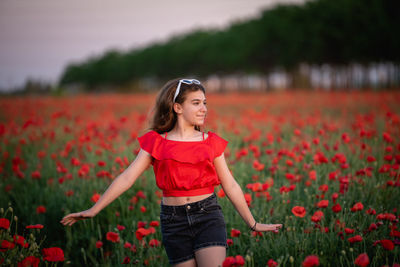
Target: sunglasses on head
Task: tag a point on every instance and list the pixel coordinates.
(185, 81)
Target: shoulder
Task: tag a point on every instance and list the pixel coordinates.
(217, 143)
(150, 136)
(150, 133)
(214, 137)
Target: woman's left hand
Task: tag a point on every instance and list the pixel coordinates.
(260, 227)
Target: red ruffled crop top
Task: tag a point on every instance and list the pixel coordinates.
(184, 168)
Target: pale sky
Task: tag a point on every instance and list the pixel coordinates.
(38, 38)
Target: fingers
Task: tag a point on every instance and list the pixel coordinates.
(67, 221)
(272, 227)
(72, 218)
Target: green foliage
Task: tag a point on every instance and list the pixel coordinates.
(21, 243)
(323, 31)
(299, 238)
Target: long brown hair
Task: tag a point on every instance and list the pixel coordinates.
(164, 117)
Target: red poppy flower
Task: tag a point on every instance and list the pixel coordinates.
(284, 189)
(299, 211)
(310, 261)
(334, 197)
(143, 209)
(35, 175)
(229, 262)
(362, 260)
(371, 211)
(258, 166)
(53, 254)
(29, 261)
(317, 216)
(297, 131)
(229, 242)
(35, 226)
(256, 187)
(154, 243)
(312, 175)
(238, 260)
(40, 209)
(387, 137)
(394, 233)
(248, 198)
(140, 194)
(4, 223)
(101, 163)
(69, 193)
(372, 227)
(141, 224)
(133, 248)
(127, 245)
(235, 233)
(142, 232)
(323, 203)
(349, 231)
(323, 188)
(154, 223)
(113, 237)
(6, 245)
(120, 227)
(386, 216)
(272, 263)
(126, 260)
(95, 197)
(221, 193)
(357, 207)
(355, 239)
(20, 240)
(290, 176)
(387, 244)
(99, 244)
(336, 208)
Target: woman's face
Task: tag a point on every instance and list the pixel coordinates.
(193, 109)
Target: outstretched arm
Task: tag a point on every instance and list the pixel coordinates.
(122, 183)
(235, 195)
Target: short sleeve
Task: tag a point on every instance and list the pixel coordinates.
(149, 141)
(218, 144)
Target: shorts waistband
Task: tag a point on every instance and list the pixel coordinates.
(189, 207)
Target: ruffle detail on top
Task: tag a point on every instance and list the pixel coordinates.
(182, 151)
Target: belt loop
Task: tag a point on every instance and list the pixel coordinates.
(174, 210)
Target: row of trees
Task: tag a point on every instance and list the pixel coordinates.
(336, 32)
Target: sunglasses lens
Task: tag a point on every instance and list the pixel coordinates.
(190, 81)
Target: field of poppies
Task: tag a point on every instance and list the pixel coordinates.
(324, 164)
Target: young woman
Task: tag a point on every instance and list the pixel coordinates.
(187, 164)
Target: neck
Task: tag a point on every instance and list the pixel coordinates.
(184, 132)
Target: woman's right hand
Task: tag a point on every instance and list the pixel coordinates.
(72, 218)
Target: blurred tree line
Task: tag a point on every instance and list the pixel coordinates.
(336, 32)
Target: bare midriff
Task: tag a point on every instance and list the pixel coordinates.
(177, 201)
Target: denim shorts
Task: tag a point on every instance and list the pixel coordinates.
(190, 227)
